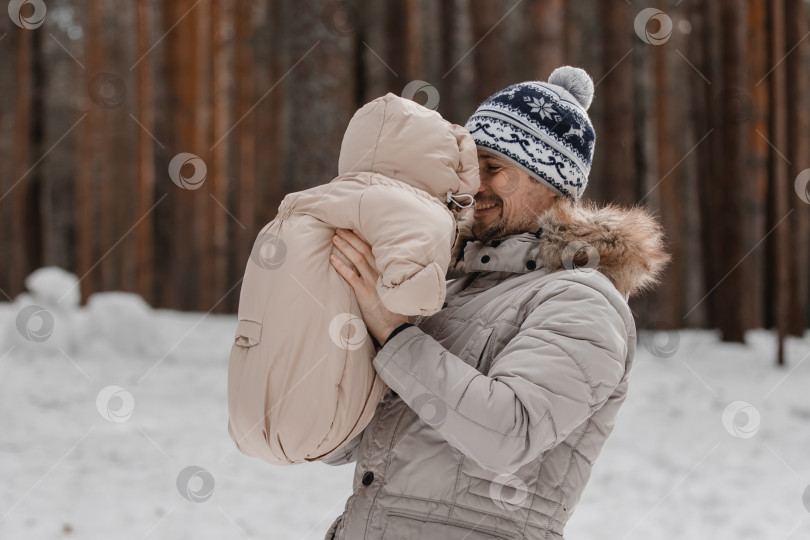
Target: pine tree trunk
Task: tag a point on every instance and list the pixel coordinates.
(490, 56)
(18, 192)
(779, 193)
(617, 151)
(756, 160)
(122, 161)
(243, 189)
(413, 39)
(91, 153)
(62, 82)
(545, 37)
(145, 275)
(703, 53)
(11, 47)
(647, 309)
(319, 108)
(272, 131)
(670, 186)
(687, 289)
(798, 152)
(459, 93)
(733, 300)
(213, 277)
(573, 31)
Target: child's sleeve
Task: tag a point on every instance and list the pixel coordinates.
(411, 238)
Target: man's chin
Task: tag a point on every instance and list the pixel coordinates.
(484, 232)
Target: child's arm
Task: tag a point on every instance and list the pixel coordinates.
(411, 238)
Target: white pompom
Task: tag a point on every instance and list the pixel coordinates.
(576, 81)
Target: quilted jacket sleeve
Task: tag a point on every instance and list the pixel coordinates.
(567, 358)
(411, 238)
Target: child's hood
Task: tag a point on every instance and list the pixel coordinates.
(401, 139)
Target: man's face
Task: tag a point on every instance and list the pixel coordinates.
(508, 201)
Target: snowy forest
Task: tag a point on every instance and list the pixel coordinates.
(145, 144)
(703, 119)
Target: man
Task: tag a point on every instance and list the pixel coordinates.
(501, 402)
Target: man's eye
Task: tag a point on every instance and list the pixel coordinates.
(493, 168)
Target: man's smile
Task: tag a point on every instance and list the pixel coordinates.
(486, 206)
(485, 209)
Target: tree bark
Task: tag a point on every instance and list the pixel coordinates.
(779, 194)
(489, 57)
(91, 152)
(459, 92)
(144, 270)
(704, 54)
(756, 158)
(545, 37)
(733, 300)
(18, 193)
(215, 272)
(616, 88)
(798, 152)
(320, 66)
(61, 81)
(243, 189)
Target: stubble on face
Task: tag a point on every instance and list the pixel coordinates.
(518, 199)
(500, 227)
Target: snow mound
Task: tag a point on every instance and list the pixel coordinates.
(54, 286)
(40, 328)
(124, 321)
(45, 319)
(49, 321)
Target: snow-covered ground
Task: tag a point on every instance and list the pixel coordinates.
(96, 443)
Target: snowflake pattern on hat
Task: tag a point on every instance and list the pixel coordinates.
(543, 129)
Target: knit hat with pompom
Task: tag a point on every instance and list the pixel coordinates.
(542, 127)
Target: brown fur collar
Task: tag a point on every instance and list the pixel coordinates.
(629, 241)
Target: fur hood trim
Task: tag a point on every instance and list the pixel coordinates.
(629, 242)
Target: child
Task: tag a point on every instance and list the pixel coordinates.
(300, 380)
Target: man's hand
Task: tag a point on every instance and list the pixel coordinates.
(379, 321)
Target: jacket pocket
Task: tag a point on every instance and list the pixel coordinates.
(487, 354)
(514, 499)
(478, 353)
(248, 333)
(405, 526)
